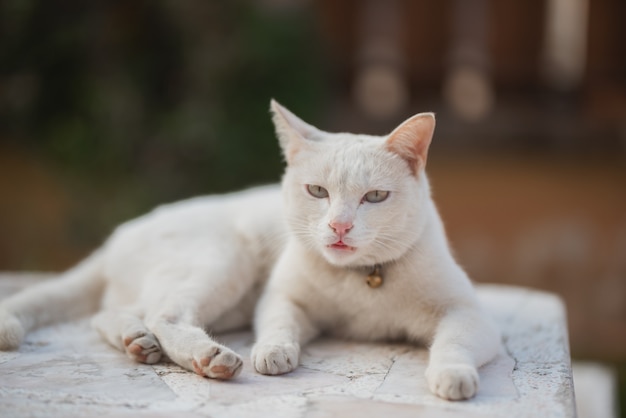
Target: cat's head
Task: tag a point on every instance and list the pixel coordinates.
(355, 199)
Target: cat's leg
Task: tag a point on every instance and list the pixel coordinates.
(465, 339)
(187, 344)
(282, 328)
(127, 332)
(185, 300)
(281, 325)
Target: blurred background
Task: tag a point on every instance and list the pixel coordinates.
(108, 108)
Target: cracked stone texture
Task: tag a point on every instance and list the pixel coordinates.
(67, 371)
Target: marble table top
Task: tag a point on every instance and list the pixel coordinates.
(67, 371)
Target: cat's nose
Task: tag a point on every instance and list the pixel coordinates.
(341, 228)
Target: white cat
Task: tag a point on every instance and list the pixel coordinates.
(354, 248)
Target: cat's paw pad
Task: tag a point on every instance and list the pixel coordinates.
(453, 382)
(142, 347)
(218, 362)
(11, 331)
(275, 359)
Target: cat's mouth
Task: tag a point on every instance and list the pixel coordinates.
(341, 246)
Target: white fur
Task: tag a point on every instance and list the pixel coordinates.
(163, 279)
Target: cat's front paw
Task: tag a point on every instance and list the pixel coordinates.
(275, 359)
(453, 382)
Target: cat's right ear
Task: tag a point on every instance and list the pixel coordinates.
(412, 138)
(293, 133)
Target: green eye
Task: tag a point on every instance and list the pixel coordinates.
(376, 196)
(317, 191)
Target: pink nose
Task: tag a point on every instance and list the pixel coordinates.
(341, 228)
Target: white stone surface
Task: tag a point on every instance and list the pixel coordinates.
(67, 371)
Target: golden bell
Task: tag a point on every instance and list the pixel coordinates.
(374, 281)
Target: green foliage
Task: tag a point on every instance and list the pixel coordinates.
(143, 102)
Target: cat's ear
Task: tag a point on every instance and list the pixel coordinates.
(293, 133)
(411, 139)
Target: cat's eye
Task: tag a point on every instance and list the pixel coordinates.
(317, 191)
(376, 196)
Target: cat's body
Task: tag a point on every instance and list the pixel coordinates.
(195, 241)
(352, 206)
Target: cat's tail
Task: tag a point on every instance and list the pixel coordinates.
(75, 293)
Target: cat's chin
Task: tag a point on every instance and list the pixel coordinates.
(340, 255)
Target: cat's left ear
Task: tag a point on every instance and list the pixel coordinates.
(293, 133)
(411, 139)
